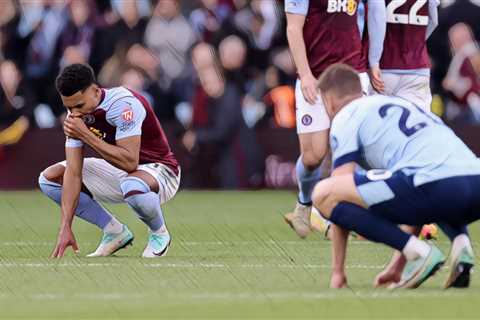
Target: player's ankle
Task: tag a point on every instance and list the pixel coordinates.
(415, 248)
(114, 226)
(462, 241)
(161, 231)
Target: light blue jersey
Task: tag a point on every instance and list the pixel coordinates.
(392, 134)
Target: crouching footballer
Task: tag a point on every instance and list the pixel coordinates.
(424, 174)
(136, 166)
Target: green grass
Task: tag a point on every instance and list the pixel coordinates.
(232, 257)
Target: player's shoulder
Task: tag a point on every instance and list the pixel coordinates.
(120, 103)
(112, 97)
(353, 112)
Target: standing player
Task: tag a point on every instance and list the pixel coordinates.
(405, 62)
(137, 165)
(320, 33)
(429, 176)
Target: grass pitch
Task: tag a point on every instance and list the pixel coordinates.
(232, 257)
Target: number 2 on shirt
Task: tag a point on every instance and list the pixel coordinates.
(402, 18)
(402, 122)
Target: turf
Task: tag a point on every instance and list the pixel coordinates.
(232, 257)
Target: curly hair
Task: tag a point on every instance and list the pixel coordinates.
(73, 78)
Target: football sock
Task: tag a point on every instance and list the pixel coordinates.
(415, 248)
(144, 202)
(88, 209)
(306, 181)
(369, 225)
(451, 231)
(462, 241)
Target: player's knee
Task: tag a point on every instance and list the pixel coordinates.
(132, 186)
(322, 197)
(52, 175)
(311, 160)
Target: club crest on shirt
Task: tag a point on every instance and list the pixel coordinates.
(127, 114)
(88, 119)
(347, 6)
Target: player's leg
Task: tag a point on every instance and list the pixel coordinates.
(343, 200)
(312, 128)
(145, 191)
(88, 209)
(461, 257)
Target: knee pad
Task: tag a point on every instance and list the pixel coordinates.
(132, 185)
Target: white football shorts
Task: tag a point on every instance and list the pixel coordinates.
(411, 87)
(103, 180)
(314, 118)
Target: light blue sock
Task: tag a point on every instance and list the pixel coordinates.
(306, 181)
(143, 201)
(88, 209)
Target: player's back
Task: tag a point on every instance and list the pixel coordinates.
(393, 134)
(331, 35)
(405, 39)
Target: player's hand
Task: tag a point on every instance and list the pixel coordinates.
(65, 239)
(376, 79)
(309, 88)
(386, 277)
(392, 273)
(189, 139)
(338, 280)
(74, 127)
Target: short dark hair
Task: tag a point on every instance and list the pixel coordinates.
(341, 79)
(73, 78)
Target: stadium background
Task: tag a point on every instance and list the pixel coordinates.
(217, 72)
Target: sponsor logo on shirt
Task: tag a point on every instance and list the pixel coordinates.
(99, 133)
(347, 6)
(127, 114)
(127, 125)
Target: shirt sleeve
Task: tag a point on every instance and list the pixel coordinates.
(432, 17)
(127, 115)
(344, 142)
(297, 7)
(377, 27)
(73, 143)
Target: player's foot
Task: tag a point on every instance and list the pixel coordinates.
(112, 242)
(157, 246)
(319, 223)
(461, 261)
(299, 220)
(418, 270)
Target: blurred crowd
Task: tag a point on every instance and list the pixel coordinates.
(215, 70)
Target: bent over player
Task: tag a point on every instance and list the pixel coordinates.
(136, 164)
(320, 33)
(428, 176)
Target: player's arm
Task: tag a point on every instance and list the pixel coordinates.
(432, 17)
(345, 146)
(72, 184)
(296, 12)
(125, 154)
(377, 26)
(339, 238)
